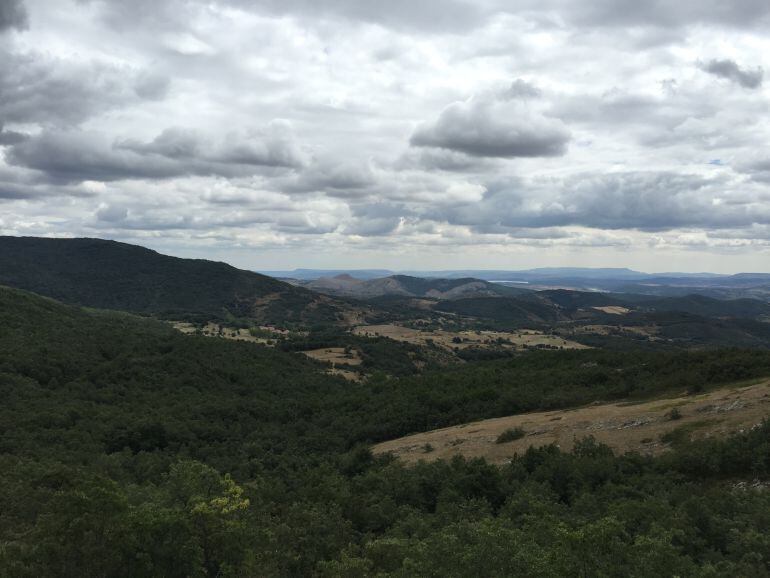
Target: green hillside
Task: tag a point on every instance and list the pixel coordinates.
(116, 435)
(112, 275)
(707, 306)
(508, 312)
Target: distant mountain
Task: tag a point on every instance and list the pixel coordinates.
(346, 285)
(312, 274)
(112, 275)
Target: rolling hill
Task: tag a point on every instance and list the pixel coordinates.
(130, 449)
(345, 285)
(112, 275)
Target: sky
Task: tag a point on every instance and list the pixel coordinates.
(439, 134)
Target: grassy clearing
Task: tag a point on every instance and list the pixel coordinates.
(645, 427)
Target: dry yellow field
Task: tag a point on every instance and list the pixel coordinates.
(215, 330)
(613, 309)
(622, 426)
(335, 355)
(447, 339)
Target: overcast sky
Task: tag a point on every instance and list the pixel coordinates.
(360, 133)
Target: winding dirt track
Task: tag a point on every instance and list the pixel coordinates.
(623, 426)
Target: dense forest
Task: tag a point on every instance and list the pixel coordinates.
(129, 449)
(112, 275)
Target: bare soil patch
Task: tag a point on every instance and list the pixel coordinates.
(613, 309)
(216, 330)
(622, 426)
(335, 355)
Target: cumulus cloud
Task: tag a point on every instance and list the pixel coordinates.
(500, 126)
(729, 70)
(35, 88)
(338, 178)
(649, 201)
(76, 156)
(274, 146)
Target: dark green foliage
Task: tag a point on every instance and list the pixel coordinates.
(706, 306)
(503, 312)
(116, 434)
(510, 435)
(573, 300)
(377, 353)
(111, 275)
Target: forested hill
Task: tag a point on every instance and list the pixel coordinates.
(112, 275)
(113, 427)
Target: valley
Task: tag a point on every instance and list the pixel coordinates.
(179, 417)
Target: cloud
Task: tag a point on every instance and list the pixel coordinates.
(13, 14)
(441, 159)
(76, 156)
(35, 88)
(335, 177)
(644, 200)
(731, 71)
(10, 137)
(155, 120)
(437, 15)
(758, 168)
(660, 13)
(498, 126)
(272, 147)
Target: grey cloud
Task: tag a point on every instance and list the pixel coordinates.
(372, 227)
(649, 201)
(336, 178)
(151, 86)
(18, 184)
(37, 89)
(376, 219)
(758, 169)
(147, 14)
(13, 14)
(274, 147)
(616, 106)
(485, 128)
(456, 16)
(522, 89)
(427, 15)
(73, 156)
(112, 213)
(731, 71)
(173, 143)
(10, 137)
(661, 13)
(441, 159)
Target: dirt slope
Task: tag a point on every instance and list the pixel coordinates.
(623, 426)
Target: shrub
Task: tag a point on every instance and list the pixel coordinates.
(509, 435)
(674, 414)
